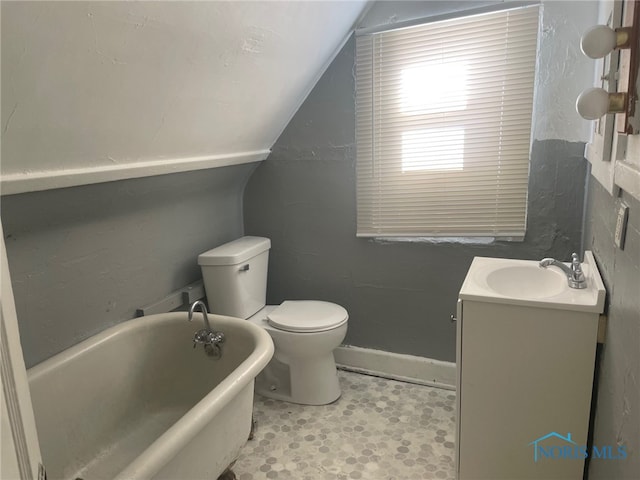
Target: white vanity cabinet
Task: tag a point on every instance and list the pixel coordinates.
(525, 355)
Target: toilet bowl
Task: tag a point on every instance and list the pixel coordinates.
(303, 368)
(304, 332)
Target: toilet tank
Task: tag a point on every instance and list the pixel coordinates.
(235, 276)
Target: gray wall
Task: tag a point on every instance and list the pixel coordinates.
(399, 295)
(617, 412)
(85, 258)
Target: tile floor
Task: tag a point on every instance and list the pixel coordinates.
(379, 429)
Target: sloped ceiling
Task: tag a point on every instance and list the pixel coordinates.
(97, 91)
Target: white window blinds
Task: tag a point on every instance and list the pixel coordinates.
(443, 122)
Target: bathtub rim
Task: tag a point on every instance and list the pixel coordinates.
(164, 448)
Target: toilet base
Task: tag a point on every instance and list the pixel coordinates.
(313, 381)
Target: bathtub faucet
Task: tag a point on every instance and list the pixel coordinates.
(205, 336)
(575, 276)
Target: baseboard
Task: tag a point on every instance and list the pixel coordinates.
(407, 368)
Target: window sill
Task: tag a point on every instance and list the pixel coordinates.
(446, 240)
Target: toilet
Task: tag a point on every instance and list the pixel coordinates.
(304, 332)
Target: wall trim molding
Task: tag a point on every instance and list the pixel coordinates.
(23, 182)
(627, 177)
(396, 366)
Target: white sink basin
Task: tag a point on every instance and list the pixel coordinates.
(524, 282)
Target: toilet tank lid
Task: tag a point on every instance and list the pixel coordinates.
(235, 252)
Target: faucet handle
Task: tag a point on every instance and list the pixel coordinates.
(217, 338)
(577, 279)
(575, 263)
(208, 337)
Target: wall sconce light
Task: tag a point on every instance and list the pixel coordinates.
(593, 103)
(600, 41)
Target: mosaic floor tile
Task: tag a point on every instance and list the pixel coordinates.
(378, 429)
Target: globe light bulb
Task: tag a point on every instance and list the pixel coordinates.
(593, 103)
(598, 41)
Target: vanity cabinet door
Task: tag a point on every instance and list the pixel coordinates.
(523, 373)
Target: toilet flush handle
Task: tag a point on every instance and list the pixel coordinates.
(244, 268)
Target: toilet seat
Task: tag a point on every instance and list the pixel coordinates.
(307, 316)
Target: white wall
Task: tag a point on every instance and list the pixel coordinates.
(96, 91)
(563, 70)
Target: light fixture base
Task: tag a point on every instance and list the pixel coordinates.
(617, 102)
(623, 37)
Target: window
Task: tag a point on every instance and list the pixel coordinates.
(443, 126)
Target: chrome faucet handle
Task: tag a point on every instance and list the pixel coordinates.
(577, 280)
(201, 337)
(575, 263)
(217, 338)
(207, 337)
(575, 260)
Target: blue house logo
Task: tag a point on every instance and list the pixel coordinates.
(565, 448)
(541, 449)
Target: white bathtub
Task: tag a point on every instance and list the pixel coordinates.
(138, 401)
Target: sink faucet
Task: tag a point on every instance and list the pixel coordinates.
(574, 274)
(205, 336)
